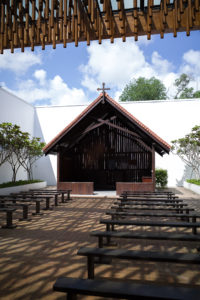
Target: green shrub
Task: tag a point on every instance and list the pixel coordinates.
(16, 183)
(194, 181)
(161, 178)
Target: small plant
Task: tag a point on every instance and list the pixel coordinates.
(161, 178)
(16, 183)
(194, 181)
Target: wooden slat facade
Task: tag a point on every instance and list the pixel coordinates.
(104, 157)
(30, 23)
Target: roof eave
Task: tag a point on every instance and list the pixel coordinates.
(62, 133)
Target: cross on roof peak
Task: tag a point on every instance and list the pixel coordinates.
(103, 88)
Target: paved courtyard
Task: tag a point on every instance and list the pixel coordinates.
(35, 253)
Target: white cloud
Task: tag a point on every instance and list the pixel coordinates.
(192, 57)
(18, 62)
(191, 66)
(55, 90)
(41, 76)
(115, 64)
(160, 65)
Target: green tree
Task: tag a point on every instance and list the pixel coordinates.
(4, 153)
(18, 149)
(187, 93)
(15, 141)
(183, 91)
(181, 84)
(32, 152)
(196, 94)
(144, 89)
(188, 149)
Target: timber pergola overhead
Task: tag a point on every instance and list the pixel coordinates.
(30, 23)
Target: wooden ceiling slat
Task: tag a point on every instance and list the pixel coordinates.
(135, 15)
(31, 23)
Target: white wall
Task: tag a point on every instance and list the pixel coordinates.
(49, 122)
(170, 119)
(15, 111)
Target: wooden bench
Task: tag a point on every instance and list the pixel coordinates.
(147, 193)
(142, 199)
(105, 253)
(123, 290)
(43, 194)
(150, 203)
(120, 214)
(111, 223)
(148, 197)
(25, 206)
(147, 235)
(131, 208)
(36, 197)
(9, 217)
(62, 192)
(168, 195)
(16, 199)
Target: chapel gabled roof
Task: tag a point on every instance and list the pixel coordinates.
(160, 145)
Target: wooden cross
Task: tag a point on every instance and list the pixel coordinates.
(103, 89)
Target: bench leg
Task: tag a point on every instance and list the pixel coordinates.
(90, 265)
(100, 243)
(47, 204)
(63, 199)
(56, 200)
(68, 195)
(37, 209)
(194, 228)
(9, 223)
(25, 214)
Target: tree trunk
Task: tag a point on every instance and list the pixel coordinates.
(14, 174)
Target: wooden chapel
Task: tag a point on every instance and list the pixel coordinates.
(106, 148)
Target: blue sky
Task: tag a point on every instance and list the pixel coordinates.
(72, 75)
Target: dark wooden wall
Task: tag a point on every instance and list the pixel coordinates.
(104, 156)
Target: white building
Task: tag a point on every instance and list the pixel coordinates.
(170, 119)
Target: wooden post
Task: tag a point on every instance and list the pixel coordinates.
(58, 169)
(90, 263)
(153, 168)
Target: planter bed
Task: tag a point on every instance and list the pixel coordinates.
(193, 187)
(22, 188)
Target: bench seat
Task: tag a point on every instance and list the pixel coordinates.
(150, 203)
(129, 208)
(118, 214)
(151, 256)
(193, 225)
(147, 198)
(149, 235)
(150, 200)
(123, 289)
